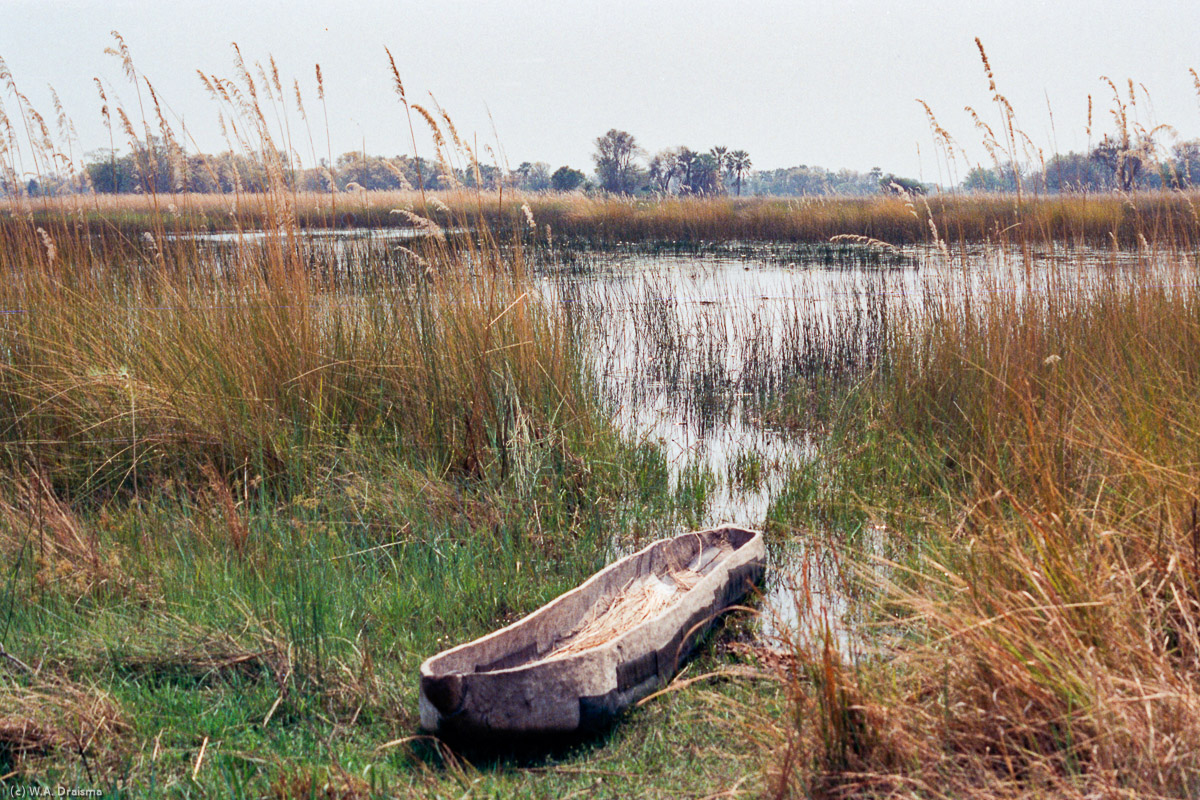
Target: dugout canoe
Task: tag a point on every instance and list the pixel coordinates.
(592, 652)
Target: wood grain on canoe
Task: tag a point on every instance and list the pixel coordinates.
(595, 650)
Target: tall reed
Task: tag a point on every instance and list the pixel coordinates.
(1031, 449)
(134, 349)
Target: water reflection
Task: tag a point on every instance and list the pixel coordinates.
(692, 350)
(695, 345)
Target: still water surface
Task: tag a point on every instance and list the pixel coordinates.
(687, 347)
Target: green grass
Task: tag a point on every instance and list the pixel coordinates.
(241, 504)
(314, 623)
(246, 488)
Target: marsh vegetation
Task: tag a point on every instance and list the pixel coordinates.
(262, 453)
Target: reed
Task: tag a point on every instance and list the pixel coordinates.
(265, 351)
(1097, 220)
(250, 481)
(1028, 445)
(137, 351)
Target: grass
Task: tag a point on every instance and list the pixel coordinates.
(248, 489)
(1030, 456)
(248, 485)
(297, 654)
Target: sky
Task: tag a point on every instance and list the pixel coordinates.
(830, 84)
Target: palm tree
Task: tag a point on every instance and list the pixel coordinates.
(721, 154)
(739, 163)
(686, 159)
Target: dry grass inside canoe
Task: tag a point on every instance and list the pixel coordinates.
(642, 598)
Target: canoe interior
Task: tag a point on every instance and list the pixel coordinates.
(613, 601)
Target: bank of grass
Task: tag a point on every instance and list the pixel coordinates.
(291, 659)
(897, 220)
(1033, 601)
(247, 485)
(1097, 220)
(247, 488)
(244, 496)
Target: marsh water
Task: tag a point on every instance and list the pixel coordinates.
(696, 351)
(693, 350)
(697, 348)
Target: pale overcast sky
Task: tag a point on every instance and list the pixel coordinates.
(832, 84)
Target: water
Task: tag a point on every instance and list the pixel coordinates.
(337, 236)
(693, 346)
(691, 349)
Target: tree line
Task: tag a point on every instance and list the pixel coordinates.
(1116, 163)
(157, 168)
(623, 167)
(1125, 161)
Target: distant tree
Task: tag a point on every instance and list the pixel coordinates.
(111, 175)
(521, 173)
(721, 154)
(806, 181)
(664, 169)
(894, 184)
(1183, 170)
(152, 166)
(235, 172)
(1073, 172)
(704, 177)
(199, 175)
(149, 168)
(532, 176)
(616, 162)
(1126, 155)
(687, 162)
(372, 173)
(566, 179)
(487, 176)
(1130, 150)
(1002, 178)
(739, 165)
(982, 179)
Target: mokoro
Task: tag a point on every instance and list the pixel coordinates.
(592, 652)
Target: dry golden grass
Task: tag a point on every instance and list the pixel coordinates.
(1103, 220)
(1039, 627)
(1038, 616)
(135, 352)
(235, 355)
(55, 719)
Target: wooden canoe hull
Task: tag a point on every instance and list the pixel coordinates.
(513, 681)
